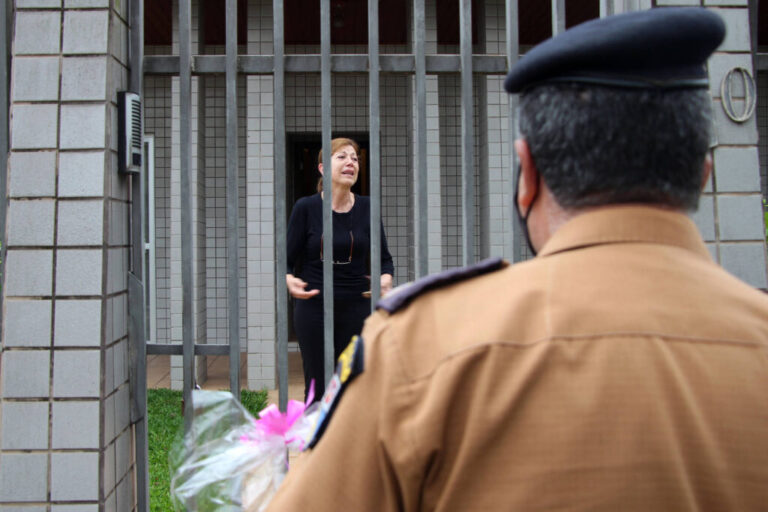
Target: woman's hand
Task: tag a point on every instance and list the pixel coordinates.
(296, 287)
(386, 283)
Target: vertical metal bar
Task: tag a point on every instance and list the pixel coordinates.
(558, 16)
(137, 342)
(137, 196)
(148, 188)
(233, 245)
(137, 355)
(375, 168)
(185, 161)
(325, 94)
(280, 199)
(467, 135)
(513, 53)
(421, 209)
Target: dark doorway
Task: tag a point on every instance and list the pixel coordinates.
(349, 22)
(302, 176)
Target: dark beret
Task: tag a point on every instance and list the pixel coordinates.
(656, 48)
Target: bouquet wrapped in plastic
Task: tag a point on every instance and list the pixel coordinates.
(230, 461)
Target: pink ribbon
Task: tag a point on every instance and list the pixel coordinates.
(272, 422)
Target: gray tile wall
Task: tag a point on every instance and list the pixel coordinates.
(260, 229)
(497, 191)
(157, 122)
(214, 190)
(451, 162)
(738, 236)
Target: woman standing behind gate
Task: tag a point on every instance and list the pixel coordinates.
(351, 252)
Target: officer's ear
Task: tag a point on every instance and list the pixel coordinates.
(707, 171)
(528, 184)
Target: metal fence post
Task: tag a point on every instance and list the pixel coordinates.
(467, 135)
(185, 152)
(137, 342)
(280, 200)
(233, 246)
(325, 94)
(374, 129)
(513, 53)
(421, 208)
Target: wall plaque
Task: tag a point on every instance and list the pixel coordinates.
(730, 86)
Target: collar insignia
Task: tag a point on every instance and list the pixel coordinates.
(349, 366)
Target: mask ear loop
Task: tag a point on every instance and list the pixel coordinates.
(523, 219)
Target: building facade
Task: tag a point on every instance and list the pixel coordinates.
(67, 418)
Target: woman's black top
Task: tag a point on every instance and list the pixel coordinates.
(351, 246)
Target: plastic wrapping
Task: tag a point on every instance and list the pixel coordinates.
(229, 461)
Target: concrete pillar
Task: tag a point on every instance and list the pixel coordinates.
(731, 210)
(65, 440)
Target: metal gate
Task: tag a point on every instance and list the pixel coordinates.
(416, 64)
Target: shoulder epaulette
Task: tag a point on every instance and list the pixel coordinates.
(404, 294)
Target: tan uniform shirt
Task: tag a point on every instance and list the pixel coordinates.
(621, 370)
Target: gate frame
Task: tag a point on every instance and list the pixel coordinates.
(185, 65)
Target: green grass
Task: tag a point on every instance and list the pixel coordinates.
(164, 426)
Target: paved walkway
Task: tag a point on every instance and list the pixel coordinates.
(159, 375)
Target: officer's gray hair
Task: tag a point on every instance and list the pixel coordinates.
(597, 145)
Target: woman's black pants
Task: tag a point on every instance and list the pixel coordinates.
(348, 317)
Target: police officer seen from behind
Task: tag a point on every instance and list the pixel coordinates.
(619, 370)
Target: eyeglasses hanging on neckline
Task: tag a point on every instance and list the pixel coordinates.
(351, 246)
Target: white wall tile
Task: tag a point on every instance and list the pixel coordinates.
(37, 33)
(30, 222)
(32, 174)
(79, 271)
(85, 32)
(78, 323)
(81, 223)
(83, 126)
(81, 174)
(35, 79)
(34, 126)
(84, 78)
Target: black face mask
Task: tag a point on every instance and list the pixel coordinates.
(523, 219)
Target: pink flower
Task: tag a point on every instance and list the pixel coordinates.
(272, 422)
